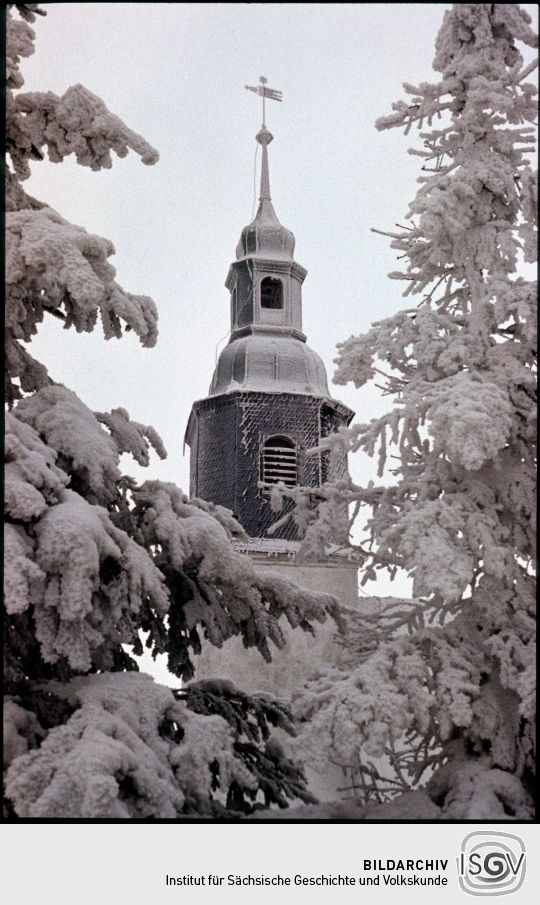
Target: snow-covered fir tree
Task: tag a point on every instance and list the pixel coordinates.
(442, 687)
(95, 562)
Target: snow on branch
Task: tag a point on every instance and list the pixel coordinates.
(457, 451)
(58, 268)
(132, 437)
(77, 123)
(96, 566)
(19, 44)
(89, 579)
(225, 595)
(118, 755)
(54, 266)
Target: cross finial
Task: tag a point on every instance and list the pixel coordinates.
(265, 92)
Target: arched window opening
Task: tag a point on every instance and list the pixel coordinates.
(271, 293)
(279, 461)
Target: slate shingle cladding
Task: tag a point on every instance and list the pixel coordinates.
(226, 434)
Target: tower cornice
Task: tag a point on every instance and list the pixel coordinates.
(262, 330)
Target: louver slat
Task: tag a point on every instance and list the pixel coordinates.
(279, 463)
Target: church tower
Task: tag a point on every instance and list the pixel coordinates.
(267, 406)
(268, 402)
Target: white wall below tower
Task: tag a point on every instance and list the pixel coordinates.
(302, 654)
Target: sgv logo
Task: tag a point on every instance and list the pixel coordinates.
(491, 864)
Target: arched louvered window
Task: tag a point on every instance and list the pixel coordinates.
(271, 293)
(279, 461)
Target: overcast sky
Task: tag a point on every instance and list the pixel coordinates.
(176, 74)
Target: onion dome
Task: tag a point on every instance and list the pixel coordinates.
(261, 362)
(265, 236)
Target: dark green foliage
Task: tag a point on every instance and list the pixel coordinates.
(279, 780)
(248, 715)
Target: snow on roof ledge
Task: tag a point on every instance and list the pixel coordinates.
(271, 546)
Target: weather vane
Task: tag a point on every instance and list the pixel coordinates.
(265, 92)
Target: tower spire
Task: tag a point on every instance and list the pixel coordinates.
(264, 136)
